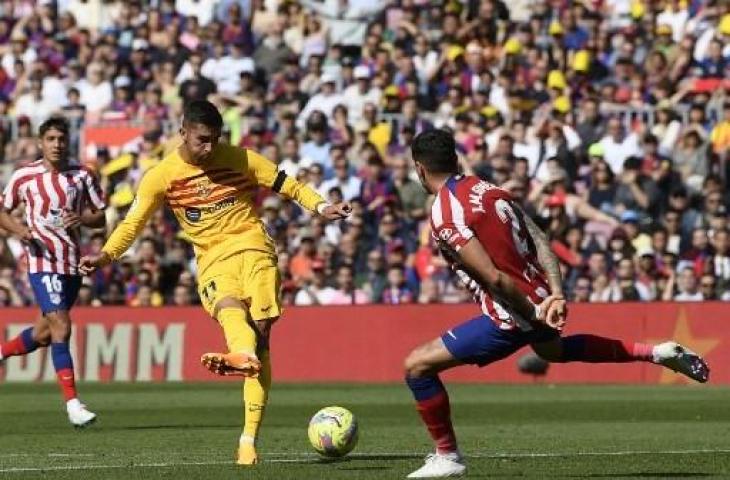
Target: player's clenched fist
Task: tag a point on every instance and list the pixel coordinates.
(90, 263)
(336, 211)
(557, 313)
(553, 311)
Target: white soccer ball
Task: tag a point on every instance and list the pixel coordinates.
(333, 431)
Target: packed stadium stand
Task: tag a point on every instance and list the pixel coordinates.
(609, 120)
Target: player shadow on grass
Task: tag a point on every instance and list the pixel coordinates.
(167, 427)
(642, 475)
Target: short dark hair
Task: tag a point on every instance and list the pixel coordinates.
(54, 123)
(436, 150)
(203, 112)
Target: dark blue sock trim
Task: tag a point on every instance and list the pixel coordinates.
(26, 336)
(61, 356)
(424, 388)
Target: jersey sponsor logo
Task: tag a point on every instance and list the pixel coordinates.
(223, 204)
(54, 218)
(55, 298)
(193, 214)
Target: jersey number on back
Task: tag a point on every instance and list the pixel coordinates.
(507, 214)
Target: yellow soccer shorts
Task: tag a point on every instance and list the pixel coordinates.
(251, 276)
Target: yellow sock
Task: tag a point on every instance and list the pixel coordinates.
(240, 335)
(255, 395)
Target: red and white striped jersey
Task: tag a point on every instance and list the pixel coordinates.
(46, 195)
(467, 207)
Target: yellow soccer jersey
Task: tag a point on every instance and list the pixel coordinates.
(213, 202)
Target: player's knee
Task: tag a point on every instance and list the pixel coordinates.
(227, 302)
(59, 325)
(43, 337)
(263, 327)
(415, 364)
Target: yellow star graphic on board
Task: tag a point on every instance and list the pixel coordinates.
(682, 334)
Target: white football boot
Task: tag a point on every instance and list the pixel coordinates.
(78, 414)
(681, 359)
(440, 465)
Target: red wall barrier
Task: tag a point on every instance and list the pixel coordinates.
(355, 344)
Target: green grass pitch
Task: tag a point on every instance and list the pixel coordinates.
(189, 431)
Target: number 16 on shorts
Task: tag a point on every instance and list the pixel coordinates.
(55, 291)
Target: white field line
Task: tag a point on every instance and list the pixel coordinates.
(281, 457)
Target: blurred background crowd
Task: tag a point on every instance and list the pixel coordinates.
(608, 120)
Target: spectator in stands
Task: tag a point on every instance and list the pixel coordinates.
(96, 91)
(346, 293)
(301, 263)
(411, 194)
(315, 290)
(377, 188)
(317, 149)
(25, 148)
(708, 287)
(582, 290)
(618, 145)
(344, 178)
(686, 286)
(197, 86)
(397, 291)
(182, 296)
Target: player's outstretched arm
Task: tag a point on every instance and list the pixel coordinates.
(480, 266)
(336, 211)
(150, 195)
(90, 263)
(266, 174)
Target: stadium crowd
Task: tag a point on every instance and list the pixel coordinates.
(608, 120)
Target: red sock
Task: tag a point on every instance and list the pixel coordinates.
(595, 349)
(67, 383)
(20, 345)
(13, 347)
(436, 414)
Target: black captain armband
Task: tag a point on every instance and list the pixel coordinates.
(279, 182)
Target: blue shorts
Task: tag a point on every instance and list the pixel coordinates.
(55, 291)
(480, 341)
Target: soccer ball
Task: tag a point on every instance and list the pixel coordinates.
(333, 431)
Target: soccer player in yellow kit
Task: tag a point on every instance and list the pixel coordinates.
(210, 188)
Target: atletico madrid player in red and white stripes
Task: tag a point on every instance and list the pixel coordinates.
(59, 198)
(506, 261)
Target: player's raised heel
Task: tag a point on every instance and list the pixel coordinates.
(247, 455)
(682, 360)
(441, 465)
(226, 364)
